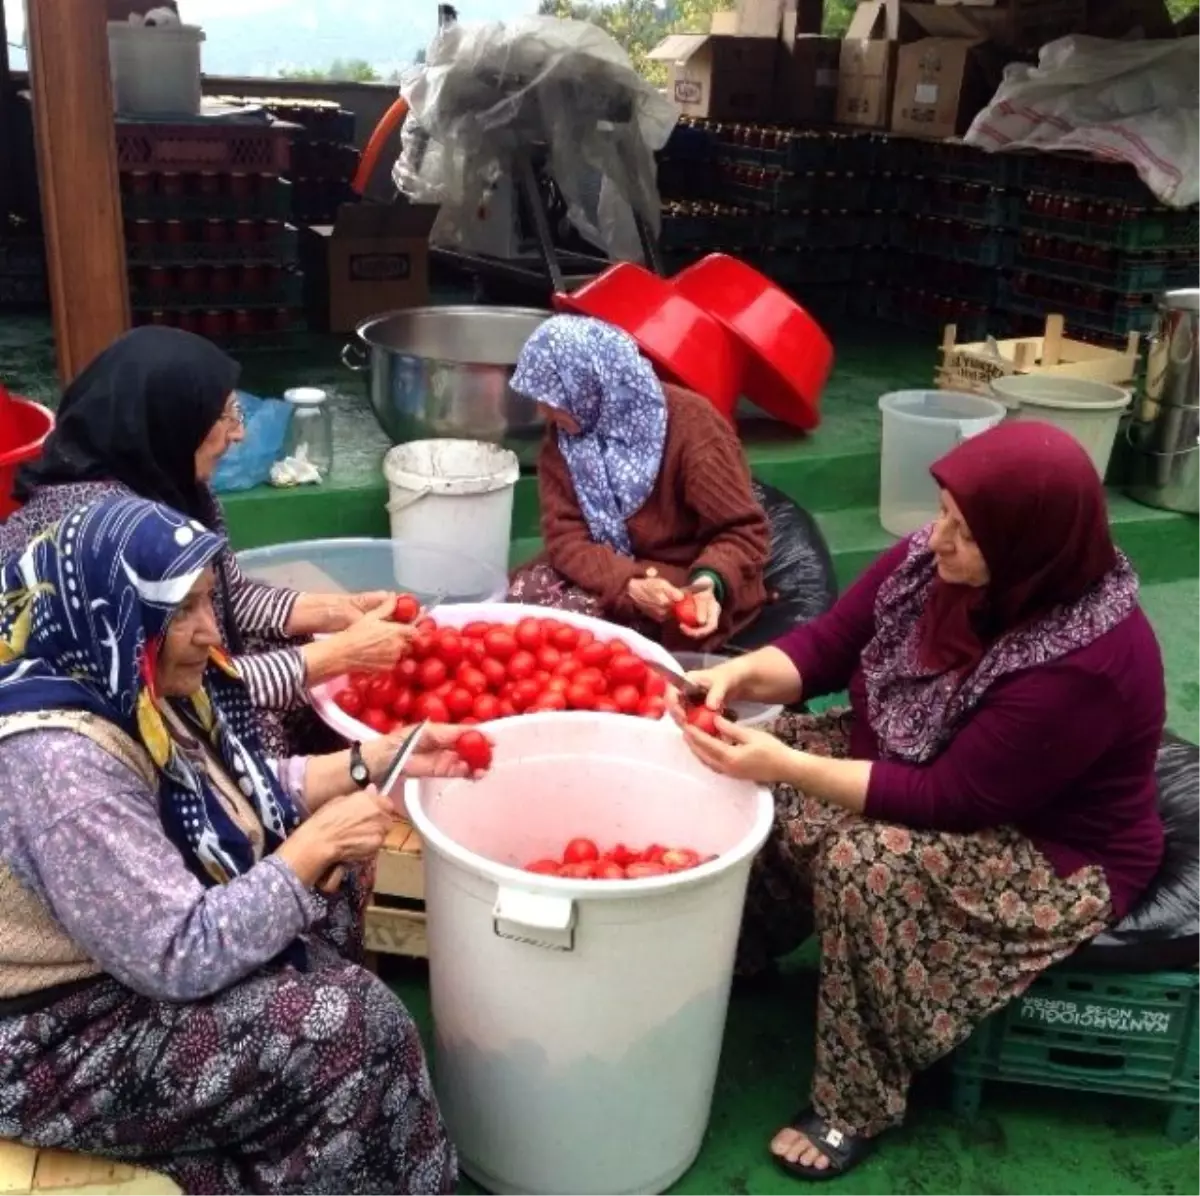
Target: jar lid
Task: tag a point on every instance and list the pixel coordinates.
(305, 396)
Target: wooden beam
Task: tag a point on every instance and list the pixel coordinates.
(79, 182)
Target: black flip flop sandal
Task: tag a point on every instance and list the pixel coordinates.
(843, 1151)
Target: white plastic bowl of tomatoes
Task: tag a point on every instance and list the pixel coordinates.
(474, 663)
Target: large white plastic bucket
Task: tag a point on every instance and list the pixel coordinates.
(579, 1023)
(1089, 411)
(155, 69)
(919, 427)
(453, 492)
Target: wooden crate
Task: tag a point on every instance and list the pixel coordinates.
(25, 1170)
(973, 367)
(395, 922)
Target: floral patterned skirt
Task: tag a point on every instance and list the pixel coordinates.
(286, 1082)
(923, 934)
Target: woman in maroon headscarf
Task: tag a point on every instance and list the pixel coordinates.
(987, 804)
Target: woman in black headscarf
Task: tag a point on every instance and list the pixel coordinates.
(153, 415)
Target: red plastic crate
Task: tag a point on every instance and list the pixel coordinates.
(204, 146)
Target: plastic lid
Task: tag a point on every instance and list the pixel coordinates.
(305, 396)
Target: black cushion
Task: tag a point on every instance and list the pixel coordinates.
(1162, 931)
(800, 580)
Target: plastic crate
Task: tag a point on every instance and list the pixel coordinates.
(205, 145)
(1132, 1035)
(778, 191)
(924, 310)
(286, 293)
(825, 230)
(1114, 315)
(1072, 174)
(272, 202)
(1132, 230)
(975, 203)
(278, 250)
(1124, 273)
(961, 241)
(959, 280)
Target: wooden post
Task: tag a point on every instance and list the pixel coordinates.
(79, 182)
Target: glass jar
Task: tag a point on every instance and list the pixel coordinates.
(310, 436)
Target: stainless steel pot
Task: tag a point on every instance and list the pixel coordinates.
(444, 371)
(1164, 436)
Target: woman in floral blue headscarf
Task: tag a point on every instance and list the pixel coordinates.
(644, 492)
(174, 987)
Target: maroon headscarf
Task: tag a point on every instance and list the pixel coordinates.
(1035, 505)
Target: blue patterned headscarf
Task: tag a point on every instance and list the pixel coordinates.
(594, 373)
(82, 612)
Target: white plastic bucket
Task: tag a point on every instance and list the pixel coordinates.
(1089, 411)
(919, 427)
(453, 492)
(155, 69)
(579, 1023)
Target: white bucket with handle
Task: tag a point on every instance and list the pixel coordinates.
(457, 493)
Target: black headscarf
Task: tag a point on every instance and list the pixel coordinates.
(137, 415)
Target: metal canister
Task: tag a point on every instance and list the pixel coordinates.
(1164, 436)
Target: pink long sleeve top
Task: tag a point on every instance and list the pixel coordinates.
(1064, 752)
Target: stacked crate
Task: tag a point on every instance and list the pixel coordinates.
(209, 244)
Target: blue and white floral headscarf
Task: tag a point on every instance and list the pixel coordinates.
(82, 613)
(594, 373)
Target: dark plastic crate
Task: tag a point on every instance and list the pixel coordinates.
(273, 202)
(1132, 1035)
(279, 250)
(1114, 314)
(1125, 273)
(205, 145)
(1132, 230)
(972, 202)
(1078, 174)
(286, 293)
(784, 192)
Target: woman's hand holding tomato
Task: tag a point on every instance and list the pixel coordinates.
(742, 752)
(655, 597)
(698, 613)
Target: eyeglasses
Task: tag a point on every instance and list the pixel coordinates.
(233, 414)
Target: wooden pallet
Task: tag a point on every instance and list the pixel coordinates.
(395, 922)
(25, 1171)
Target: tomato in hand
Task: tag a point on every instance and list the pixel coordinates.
(474, 750)
(349, 700)
(579, 850)
(702, 718)
(432, 673)
(686, 614)
(406, 609)
(544, 867)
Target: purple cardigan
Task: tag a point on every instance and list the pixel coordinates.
(1064, 752)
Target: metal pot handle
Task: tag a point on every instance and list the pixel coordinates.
(354, 357)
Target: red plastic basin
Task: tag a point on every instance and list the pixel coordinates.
(788, 356)
(24, 426)
(685, 343)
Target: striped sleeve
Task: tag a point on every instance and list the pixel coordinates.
(275, 680)
(259, 608)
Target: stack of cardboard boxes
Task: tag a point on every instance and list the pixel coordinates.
(916, 69)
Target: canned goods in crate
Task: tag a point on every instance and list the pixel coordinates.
(189, 321)
(215, 232)
(142, 232)
(156, 278)
(193, 280)
(175, 232)
(245, 232)
(214, 324)
(171, 185)
(244, 323)
(220, 281)
(251, 279)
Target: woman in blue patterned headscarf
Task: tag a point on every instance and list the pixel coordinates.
(644, 490)
(173, 983)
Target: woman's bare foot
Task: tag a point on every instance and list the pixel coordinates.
(793, 1146)
(811, 1148)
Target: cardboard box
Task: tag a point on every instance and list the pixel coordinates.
(941, 86)
(374, 258)
(806, 81)
(718, 77)
(1023, 25)
(867, 65)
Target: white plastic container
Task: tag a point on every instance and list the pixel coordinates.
(1089, 411)
(749, 714)
(453, 492)
(579, 1023)
(919, 427)
(459, 615)
(155, 68)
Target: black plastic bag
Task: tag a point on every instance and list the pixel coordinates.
(800, 578)
(1162, 931)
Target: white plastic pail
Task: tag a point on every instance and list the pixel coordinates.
(579, 1023)
(155, 69)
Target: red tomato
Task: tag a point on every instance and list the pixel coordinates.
(541, 676)
(522, 666)
(567, 667)
(406, 609)
(500, 643)
(469, 721)
(686, 614)
(619, 647)
(680, 859)
(494, 672)
(703, 719)
(593, 678)
(473, 680)
(621, 854)
(378, 691)
(580, 697)
(593, 655)
(423, 645)
(606, 706)
(350, 700)
(565, 638)
(583, 638)
(476, 630)
(579, 850)
(628, 698)
(474, 750)
(460, 702)
(549, 702)
(507, 709)
(432, 673)
(652, 707)
(449, 647)
(425, 624)
(405, 671)
(653, 854)
(627, 669)
(402, 703)
(549, 659)
(440, 691)
(529, 635)
(544, 867)
(486, 708)
(358, 680)
(609, 870)
(583, 871)
(639, 870)
(556, 685)
(430, 706)
(377, 720)
(654, 686)
(524, 694)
